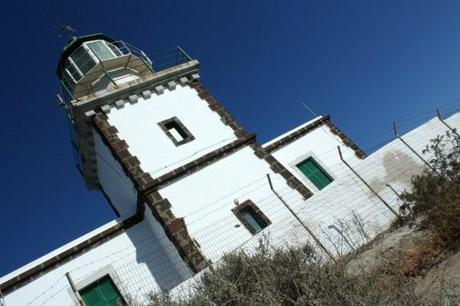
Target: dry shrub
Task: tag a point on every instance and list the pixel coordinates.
(435, 197)
(297, 276)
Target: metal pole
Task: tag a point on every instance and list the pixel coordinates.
(394, 190)
(410, 148)
(438, 114)
(74, 289)
(147, 65)
(66, 89)
(104, 70)
(184, 53)
(2, 299)
(298, 219)
(367, 185)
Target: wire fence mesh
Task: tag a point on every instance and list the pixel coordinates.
(343, 216)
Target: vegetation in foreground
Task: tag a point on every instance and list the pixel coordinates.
(297, 276)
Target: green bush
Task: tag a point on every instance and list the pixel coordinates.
(434, 201)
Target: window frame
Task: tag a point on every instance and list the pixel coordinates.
(97, 275)
(189, 136)
(112, 281)
(87, 46)
(320, 166)
(249, 204)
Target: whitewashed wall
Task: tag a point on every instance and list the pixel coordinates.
(321, 144)
(205, 200)
(136, 261)
(114, 181)
(138, 125)
(144, 260)
(347, 197)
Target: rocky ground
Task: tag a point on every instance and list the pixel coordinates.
(413, 253)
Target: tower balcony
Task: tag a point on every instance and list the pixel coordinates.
(103, 65)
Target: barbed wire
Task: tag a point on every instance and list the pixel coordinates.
(315, 211)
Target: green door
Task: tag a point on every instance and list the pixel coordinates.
(315, 173)
(101, 293)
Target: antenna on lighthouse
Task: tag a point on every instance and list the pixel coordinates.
(310, 110)
(65, 29)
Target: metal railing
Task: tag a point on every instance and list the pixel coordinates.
(84, 63)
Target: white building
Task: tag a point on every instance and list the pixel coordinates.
(187, 182)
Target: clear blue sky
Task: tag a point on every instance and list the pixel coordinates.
(365, 63)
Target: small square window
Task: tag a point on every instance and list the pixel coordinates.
(176, 131)
(251, 217)
(102, 292)
(313, 171)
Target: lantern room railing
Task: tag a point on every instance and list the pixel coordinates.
(95, 62)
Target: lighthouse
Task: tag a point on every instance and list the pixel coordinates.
(186, 182)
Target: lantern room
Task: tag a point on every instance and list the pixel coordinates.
(96, 62)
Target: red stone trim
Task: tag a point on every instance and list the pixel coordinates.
(119, 148)
(52, 263)
(346, 140)
(248, 203)
(176, 230)
(326, 120)
(147, 187)
(277, 167)
(215, 106)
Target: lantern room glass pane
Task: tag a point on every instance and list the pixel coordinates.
(71, 69)
(115, 49)
(83, 60)
(102, 51)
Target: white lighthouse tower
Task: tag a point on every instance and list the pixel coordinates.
(162, 149)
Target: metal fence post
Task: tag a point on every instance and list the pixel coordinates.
(74, 289)
(438, 114)
(2, 299)
(394, 191)
(367, 185)
(300, 220)
(410, 148)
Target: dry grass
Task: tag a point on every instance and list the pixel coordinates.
(297, 276)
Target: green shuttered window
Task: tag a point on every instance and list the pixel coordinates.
(252, 219)
(312, 170)
(102, 293)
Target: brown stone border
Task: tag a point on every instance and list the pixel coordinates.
(188, 135)
(119, 149)
(90, 243)
(277, 167)
(345, 139)
(215, 106)
(147, 187)
(248, 203)
(326, 120)
(176, 230)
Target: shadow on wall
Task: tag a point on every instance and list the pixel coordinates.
(154, 268)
